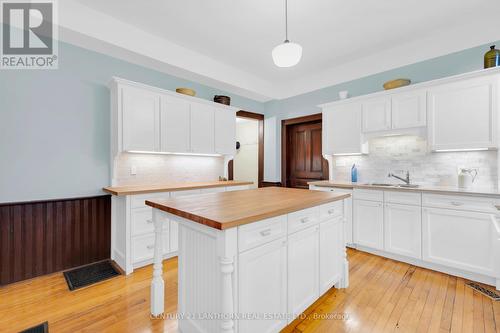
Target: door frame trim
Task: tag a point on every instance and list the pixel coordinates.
(285, 123)
(260, 118)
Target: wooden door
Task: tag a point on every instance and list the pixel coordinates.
(305, 159)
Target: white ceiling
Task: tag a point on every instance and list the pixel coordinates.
(336, 35)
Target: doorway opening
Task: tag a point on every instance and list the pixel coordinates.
(248, 162)
(301, 151)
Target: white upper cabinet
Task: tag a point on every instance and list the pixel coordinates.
(463, 114)
(202, 129)
(150, 119)
(140, 117)
(175, 123)
(409, 110)
(342, 129)
(376, 114)
(225, 131)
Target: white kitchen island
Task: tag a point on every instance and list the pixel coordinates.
(251, 261)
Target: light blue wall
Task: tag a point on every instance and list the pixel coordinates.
(54, 124)
(452, 64)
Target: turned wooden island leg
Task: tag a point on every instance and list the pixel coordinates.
(157, 284)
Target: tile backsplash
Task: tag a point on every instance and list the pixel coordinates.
(152, 168)
(393, 154)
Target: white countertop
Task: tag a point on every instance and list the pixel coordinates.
(420, 188)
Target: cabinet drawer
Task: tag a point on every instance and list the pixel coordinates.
(255, 234)
(331, 210)
(371, 195)
(183, 193)
(213, 189)
(143, 247)
(405, 198)
(303, 219)
(237, 188)
(138, 200)
(142, 221)
(459, 202)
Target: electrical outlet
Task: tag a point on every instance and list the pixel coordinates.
(133, 170)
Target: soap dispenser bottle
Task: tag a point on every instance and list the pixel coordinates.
(354, 174)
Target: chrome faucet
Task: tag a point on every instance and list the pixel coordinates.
(406, 180)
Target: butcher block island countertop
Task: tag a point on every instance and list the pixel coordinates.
(231, 209)
(152, 188)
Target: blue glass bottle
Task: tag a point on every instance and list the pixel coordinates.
(354, 174)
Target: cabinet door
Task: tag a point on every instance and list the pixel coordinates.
(463, 115)
(175, 125)
(409, 110)
(202, 129)
(331, 244)
(141, 114)
(225, 131)
(342, 129)
(262, 286)
(403, 230)
(460, 239)
(369, 224)
(376, 114)
(303, 269)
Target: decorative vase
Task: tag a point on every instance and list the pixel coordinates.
(492, 58)
(222, 99)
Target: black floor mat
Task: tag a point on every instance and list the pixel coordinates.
(493, 294)
(85, 276)
(42, 328)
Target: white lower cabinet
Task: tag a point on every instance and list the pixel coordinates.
(262, 286)
(132, 228)
(369, 223)
(330, 253)
(303, 269)
(461, 239)
(403, 229)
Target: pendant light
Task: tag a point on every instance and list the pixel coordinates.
(287, 54)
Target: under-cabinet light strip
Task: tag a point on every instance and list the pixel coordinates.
(170, 153)
(459, 150)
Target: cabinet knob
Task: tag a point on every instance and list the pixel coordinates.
(456, 203)
(149, 221)
(150, 247)
(331, 211)
(304, 220)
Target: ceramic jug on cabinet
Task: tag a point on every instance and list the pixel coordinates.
(466, 177)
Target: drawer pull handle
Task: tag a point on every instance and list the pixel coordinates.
(149, 221)
(150, 247)
(456, 203)
(304, 220)
(266, 232)
(331, 211)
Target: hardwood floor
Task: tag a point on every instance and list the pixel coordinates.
(383, 296)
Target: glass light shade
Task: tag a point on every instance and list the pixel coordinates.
(287, 54)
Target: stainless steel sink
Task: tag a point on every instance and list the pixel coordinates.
(393, 185)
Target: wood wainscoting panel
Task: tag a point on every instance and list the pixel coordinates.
(42, 237)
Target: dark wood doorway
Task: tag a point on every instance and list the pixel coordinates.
(302, 160)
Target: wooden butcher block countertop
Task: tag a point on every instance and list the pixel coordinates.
(141, 189)
(231, 209)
